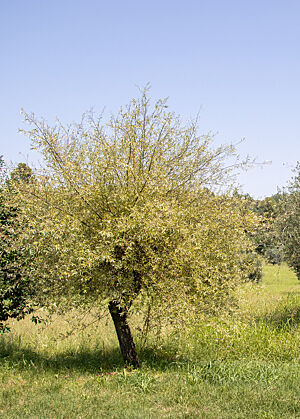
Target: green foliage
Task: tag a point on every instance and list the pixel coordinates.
(288, 222)
(14, 288)
(265, 237)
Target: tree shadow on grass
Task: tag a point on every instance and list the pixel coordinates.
(92, 361)
(18, 356)
(295, 292)
(285, 316)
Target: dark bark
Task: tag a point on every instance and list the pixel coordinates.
(127, 346)
(119, 310)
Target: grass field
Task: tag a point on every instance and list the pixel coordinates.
(241, 366)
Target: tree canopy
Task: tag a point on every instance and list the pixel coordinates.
(288, 222)
(14, 288)
(135, 209)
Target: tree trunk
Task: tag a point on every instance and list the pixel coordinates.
(127, 346)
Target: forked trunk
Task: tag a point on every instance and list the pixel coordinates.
(127, 346)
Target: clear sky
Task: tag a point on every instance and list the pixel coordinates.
(237, 61)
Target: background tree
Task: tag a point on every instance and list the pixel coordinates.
(123, 213)
(288, 222)
(14, 288)
(266, 238)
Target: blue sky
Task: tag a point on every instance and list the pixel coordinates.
(237, 61)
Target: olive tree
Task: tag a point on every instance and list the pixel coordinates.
(130, 211)
(288, 222)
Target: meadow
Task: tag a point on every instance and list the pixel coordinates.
(242, 365)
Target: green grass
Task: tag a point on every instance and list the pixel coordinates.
(241, 366)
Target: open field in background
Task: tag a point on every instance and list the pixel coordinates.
(241, 366)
